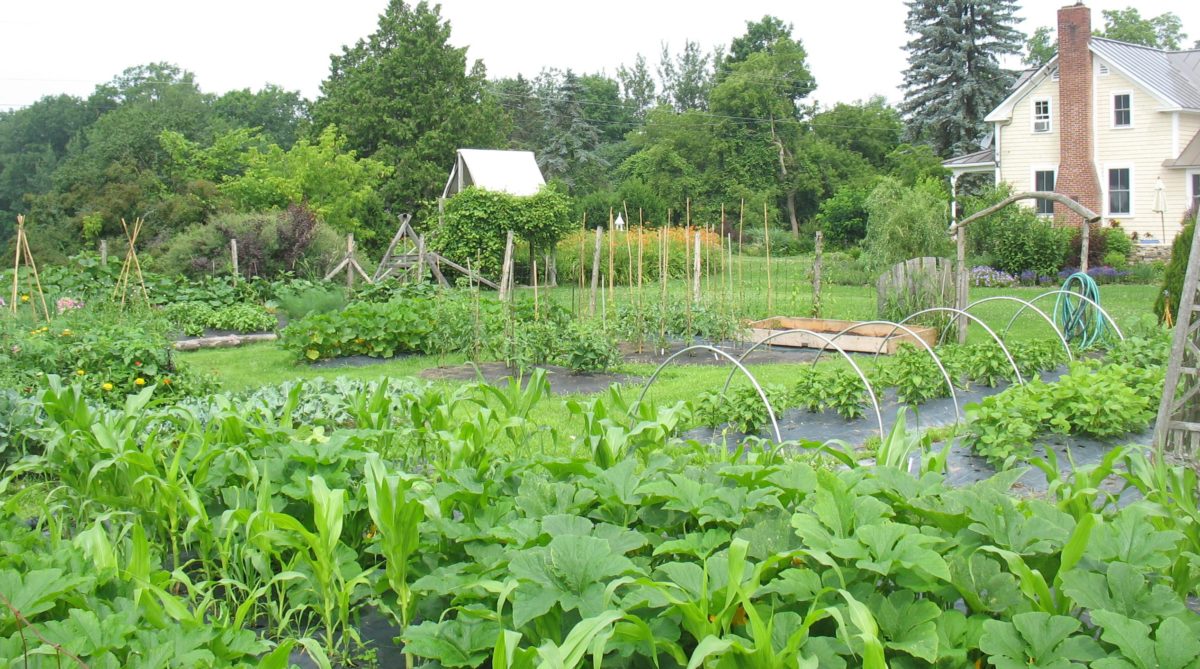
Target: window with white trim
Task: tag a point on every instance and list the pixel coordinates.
(1043, 180)
(1122, 110)
(1041, 115)
(1194, 177)
(1120, 191)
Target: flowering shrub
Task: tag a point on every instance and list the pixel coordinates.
(1032, 278)
(65, 304)
(106, 357)
(1100, 274)
(991, 277)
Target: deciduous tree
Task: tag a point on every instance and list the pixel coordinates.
(406, 97)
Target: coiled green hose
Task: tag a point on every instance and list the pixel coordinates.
(1079, 321)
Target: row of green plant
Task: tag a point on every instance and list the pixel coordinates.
(108, 351)
(631, 549)
(911, 372)
(193, 318)
(1096, 398)
(522, 333)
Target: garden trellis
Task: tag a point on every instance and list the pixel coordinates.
(23, 254)
(131, 264)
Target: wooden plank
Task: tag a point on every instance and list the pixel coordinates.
(436, 259)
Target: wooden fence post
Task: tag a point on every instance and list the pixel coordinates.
(818, 255)
(696, 271)
(234, 255)
(506, 271)
(104, 253)
(767, 242)
(596, 270)
(1085, 234)
(961, 279)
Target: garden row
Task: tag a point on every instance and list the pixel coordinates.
(1099, 397)
(229, 531)
(522, 333)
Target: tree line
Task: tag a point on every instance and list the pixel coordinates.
(695, 134)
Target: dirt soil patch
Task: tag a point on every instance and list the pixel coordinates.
(655, 355)
(562, 380)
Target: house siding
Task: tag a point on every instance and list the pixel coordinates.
(1021, 149)
(1142, 148)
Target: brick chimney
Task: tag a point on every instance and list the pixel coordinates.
(1076, 171)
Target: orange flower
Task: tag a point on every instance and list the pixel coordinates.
(166, 381)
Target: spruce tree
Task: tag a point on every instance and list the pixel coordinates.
(954, 77)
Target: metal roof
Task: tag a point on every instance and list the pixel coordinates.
(1172, 75)
(513, 172)
(986, 157)
(1189, 157)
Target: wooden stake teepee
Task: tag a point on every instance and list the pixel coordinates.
(131, 264)
(23, 253)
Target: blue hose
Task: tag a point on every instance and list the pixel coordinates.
(1079, 321)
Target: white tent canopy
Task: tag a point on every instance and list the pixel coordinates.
(513, 172)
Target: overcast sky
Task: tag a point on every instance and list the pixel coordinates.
(855, 47)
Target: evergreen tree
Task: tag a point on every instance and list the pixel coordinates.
(571, 139)
(637, 86)
(954, 76)
(686, 78)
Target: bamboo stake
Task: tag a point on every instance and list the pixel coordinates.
(687, 267)
(582, 250)
(17, 261)
(767, 241)
(629, 255)
(708, 264)
(741, 258)
(664, 265)
(641, 253)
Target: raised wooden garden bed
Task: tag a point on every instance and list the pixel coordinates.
(864, 339)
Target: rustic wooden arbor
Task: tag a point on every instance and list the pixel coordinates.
(407, 258)
(1177, 428)
(958, 232)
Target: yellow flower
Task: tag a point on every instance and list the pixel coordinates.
(66, 332)
(106, 386)
(79, 372)
(24, 298)
(139, 381)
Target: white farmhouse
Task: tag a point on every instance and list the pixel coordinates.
(1113, 125)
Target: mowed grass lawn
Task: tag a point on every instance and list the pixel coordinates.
(249, 367)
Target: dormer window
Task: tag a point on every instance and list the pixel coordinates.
(1041, 115)
(1122, 110)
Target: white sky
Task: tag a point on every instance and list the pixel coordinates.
(855, 47)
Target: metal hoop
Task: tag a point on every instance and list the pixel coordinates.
(704, 347)
(828, 342)
(1060, 291)
(976, 319)
(1024, 305)
(936, 358)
